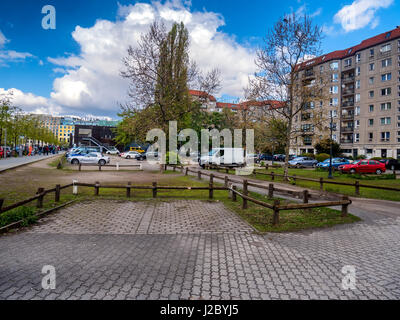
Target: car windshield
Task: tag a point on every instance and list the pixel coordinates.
(212, 152)
(357, 162)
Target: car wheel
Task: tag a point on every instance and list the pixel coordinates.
(298, 166)
(75, 161)
(378, 171)
(128, 157)
(352, 171)
(314, 165)
(102, 162)
(392, 168)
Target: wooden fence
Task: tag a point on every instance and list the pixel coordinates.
(116, 166)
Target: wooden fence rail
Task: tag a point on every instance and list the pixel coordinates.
(99, 166)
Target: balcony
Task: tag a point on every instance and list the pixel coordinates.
(347, 104)
(309, 74)
(347, 129)
(346, 140)
(348, 92)
(347, 116)
(348, 78)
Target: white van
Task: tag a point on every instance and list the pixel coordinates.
(228, 157)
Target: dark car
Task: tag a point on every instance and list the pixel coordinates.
(391, 164)
(279, 157)
(265, 157)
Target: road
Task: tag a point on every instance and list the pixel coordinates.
(10, 163)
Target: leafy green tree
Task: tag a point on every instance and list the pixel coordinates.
(324, 147)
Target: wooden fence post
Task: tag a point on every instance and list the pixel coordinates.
(227, 170)
(234, 198)
(57, 193)
(305, 196)
(40, 199)
(1, 203)
(96, 188)
(211, 190)
(99, 167)
(128, 190)
(270, 191)
(266, 167)
(345, 207)
(275, 220)
(186, 171)
(321, 184)
(226, 181)
(245, 192)
(199, 175)
(272, 176)
(174, 168)
(154, 189)
(357, 185)
(294, 179)
(80, 166)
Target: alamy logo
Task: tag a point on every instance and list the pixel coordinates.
(349, 280)
(49, 20)
(49, 280)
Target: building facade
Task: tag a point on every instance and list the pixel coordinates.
(364, 97)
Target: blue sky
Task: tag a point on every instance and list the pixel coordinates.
(74, 68)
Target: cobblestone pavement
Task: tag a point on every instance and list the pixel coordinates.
(151, 251)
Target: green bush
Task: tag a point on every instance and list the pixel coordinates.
(167, 161)
(309, 155)
(376, 158)
(26, 214)
(322, 157)
(361, 157)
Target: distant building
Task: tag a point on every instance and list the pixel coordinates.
(208, 102)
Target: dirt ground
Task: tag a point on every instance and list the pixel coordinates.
(23, 182)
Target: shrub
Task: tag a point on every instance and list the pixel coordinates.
(26, 214)
(322, 157)
(376, 158)
(167, 161)
(361, 157)
(309, 155)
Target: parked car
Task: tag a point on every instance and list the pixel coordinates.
(279, 157)
(131, 155)
(113, 151)
(364, 166)
(303, 162)
(265, 157)
(336, 162)
(149, 154)
(229, 157)
(252, 157)
(391, 164)
(92, 157)
(137, 149)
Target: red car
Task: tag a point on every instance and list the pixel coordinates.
(364, 166)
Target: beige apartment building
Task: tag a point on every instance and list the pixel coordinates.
(363, 98)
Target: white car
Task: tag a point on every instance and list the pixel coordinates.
(130, 155)
(113, 151)
(92, 157)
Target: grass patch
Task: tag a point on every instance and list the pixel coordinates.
(375, 180)
(58, 162)
(26, 214)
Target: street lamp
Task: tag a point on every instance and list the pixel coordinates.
(330, 176)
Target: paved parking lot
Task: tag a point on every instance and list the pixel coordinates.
(191, 250)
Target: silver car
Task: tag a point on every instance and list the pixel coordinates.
(303, 162)
(91, 158)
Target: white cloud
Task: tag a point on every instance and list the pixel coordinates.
(10, 55)
(30, 102)
(3, 39)
(92, 82)
(360, 13)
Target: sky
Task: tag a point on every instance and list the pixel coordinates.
(74, 68)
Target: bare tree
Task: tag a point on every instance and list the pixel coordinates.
(292, 41)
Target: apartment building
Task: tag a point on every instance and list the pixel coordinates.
(363, 97)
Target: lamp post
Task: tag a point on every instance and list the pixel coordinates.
(330, 176)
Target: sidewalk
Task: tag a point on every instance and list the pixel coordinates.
(10, 163)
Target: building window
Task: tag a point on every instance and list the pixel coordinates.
(358, 97)
(308, 140)
(386, 63)
(385, 136)
(370, 137)
(369, 151)
(357, 124)
(386, 106)
(386, 48)
(334, 65)
(371, 108)
(371, 80)
(357, 111)
(371, 52)
(347, 63)
(356, 137)
(386, 91)
(358, 84)
(335, 77)
(334, 89)
(385, 121)
(386, 77)
(371, 94)
(358, 57)
(371, 66)
(333, 102)
(358, 71)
